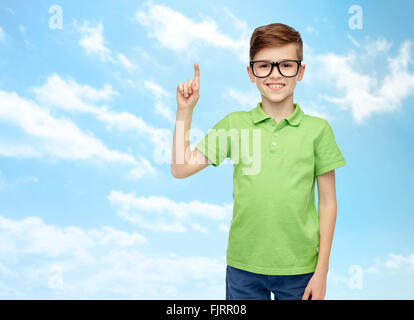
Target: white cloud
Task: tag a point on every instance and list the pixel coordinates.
(337, 278)
(179, 33)
(353, 40)
(161, 96)
(2, 34)
(4, 270)
(32, 236)
(238, 24)
(379, 45)
(392, 263)
(312, 109)
(246, 100)
(160, 138)
(68, 95)
(132, 275)
(166, 112)
(93, 41)
(73, 97)
(398, 262)
(99, 264)
(162, 214)
(199, 227)
(126, 63)
(18, 181)
(371, 48)
(10, 149)
(50, 136)
(27, 180)
(224, 227)
(366, 94)
(374, 269)
(150, 59)
(156, 89)
(387, 278)
(142, 168)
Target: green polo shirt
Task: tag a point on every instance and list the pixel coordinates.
(275, 228)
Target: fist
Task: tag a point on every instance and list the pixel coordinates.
(188, 92)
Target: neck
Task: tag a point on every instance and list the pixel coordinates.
(278, 110)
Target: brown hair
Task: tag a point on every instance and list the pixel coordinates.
(275, 35)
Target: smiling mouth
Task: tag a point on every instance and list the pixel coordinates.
(276, 87)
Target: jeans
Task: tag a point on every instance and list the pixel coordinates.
(245, 285)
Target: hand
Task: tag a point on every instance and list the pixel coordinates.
(188, 92)
(316, 287)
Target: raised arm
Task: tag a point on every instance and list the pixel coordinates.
(184, 161)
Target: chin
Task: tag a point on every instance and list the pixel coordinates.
(275, 99)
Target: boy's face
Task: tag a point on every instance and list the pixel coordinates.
(277, 54)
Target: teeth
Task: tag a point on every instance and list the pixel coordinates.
(274, 86)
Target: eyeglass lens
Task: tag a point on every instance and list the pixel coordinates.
(286, 68)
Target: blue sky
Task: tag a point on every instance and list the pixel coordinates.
(88, 206)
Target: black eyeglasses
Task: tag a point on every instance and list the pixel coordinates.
(287, 68)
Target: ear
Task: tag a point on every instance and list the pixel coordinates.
(251, 76)
(301, 72)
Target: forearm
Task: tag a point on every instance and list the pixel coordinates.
(181, 150)
(327, 220)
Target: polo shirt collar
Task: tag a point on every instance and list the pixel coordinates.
(294, 119)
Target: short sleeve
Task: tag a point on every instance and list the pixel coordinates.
(327, 154)
(216, 143)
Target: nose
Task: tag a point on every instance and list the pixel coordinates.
(275, 73)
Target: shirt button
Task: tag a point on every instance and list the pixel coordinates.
(273, 143)
(275, 134)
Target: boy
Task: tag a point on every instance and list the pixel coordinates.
(277, 241)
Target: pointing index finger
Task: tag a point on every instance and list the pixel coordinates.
(197, 73)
